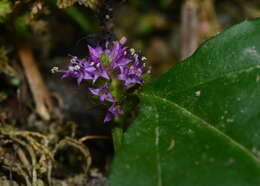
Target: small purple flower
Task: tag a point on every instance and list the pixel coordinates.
(95, 53)
(118, 56)
(131, 75)
(103, 93)
(95, 58)
(100, 72)
(78, 69)
(113, 62)
(120, 63)
(112, 112)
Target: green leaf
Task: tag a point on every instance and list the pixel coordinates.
(199, 124)
(5, 9)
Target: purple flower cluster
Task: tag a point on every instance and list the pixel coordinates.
(112, 62)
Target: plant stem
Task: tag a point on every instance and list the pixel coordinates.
(117, 134)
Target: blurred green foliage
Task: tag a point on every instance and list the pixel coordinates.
(21, 25)
(5, 9)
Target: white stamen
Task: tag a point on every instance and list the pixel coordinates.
(144, 64)
(132, 50)
(123, 40)
(136, 55)
(197, 93)
(125, 52)
(98, 65)
(143, 58)
(54, 69)
(92, 63)
(73, 59)
(77, 67)
(71, 68)
(107, 16)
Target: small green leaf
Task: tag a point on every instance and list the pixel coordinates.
(199, 124)
(5, 9)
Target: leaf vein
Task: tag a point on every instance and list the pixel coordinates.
(231, 140)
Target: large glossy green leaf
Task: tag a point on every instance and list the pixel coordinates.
(199, 124)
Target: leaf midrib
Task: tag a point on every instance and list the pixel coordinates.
(210, 126)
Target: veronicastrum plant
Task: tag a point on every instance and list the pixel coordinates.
(112, 70)
(198, 124)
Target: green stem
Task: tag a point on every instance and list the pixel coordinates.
(117, 134)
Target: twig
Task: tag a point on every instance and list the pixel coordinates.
(18, 170)
(32, 156)
(40, 94)
(49, 171)
(22, 156)
(189, 28)
(209, 25)
(93, 137)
